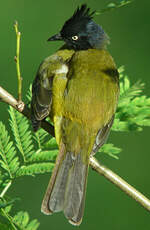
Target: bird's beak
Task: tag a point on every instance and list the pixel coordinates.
(56, 37)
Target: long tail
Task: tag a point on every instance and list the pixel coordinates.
(67, 187)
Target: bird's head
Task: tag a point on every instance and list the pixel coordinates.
(80, 32)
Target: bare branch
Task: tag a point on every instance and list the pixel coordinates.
(120, 183)
(18, 35)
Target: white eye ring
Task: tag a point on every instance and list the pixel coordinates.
(75, 38)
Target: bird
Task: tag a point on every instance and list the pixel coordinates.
(78, 88)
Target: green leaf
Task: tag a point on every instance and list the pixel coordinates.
(110, 150)
(41, 156)
(21, 220)
(29, 94)
(33, 225)
(133, 110)
(42, 137)
(51, 144)
(114, 5)
(8, 159)
(8, 207)
(128, 92)
(35, 168)
(8, 204)
(22, 134)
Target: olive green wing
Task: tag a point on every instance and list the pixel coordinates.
(103, 133)
(41, 99)
(102, 136)
(42, 94)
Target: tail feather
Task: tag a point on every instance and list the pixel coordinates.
(67, 187)
(56, 201)
(75, 191)
(45, 204)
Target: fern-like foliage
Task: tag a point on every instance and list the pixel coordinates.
(22, 134)
(41, 138)
(20, 221)
(9, 162)
(114, 5)
(32, 147)
(133, 111)
(110, 150)
(35, 168)
(29, 94)
(28, 154)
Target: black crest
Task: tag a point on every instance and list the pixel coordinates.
(82, 13)
(80, 18)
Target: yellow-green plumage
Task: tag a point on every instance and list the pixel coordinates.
(87, 96)
(78, 87)
(84, 94)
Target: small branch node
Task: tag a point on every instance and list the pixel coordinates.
(15, 58)
(20, 106)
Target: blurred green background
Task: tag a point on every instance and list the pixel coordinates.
(129, 29)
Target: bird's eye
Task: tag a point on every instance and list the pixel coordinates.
(75, 38)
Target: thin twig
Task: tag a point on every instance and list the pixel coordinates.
(119, 182)
(5, 189)
(8, 98)
(10, 219)
(100, 169)
(113, 6)
(18, 35)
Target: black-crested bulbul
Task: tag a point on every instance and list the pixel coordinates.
(78, 87)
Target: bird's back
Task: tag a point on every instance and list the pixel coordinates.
(91, 90)
(91, 93)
